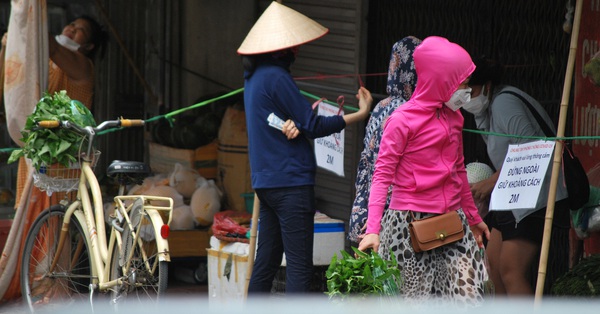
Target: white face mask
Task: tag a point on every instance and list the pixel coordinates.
(478, 104)
(459, 99)
(67, 42)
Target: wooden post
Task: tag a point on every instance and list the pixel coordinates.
(253, 236)
(556, 166)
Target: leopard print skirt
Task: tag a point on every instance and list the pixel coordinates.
(454, 273)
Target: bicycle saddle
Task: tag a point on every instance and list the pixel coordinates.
(127, 167)
(128, 172)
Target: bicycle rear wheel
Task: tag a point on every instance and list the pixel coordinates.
(69, 281)
(136, 262)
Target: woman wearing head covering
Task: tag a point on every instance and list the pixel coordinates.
(282, 162)
(421, 158)
(401, 82)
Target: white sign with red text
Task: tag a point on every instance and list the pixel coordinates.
(522, 175)
(329, 150)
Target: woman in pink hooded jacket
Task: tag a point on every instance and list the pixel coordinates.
(421, 157)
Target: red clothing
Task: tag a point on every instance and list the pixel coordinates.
(58, 80)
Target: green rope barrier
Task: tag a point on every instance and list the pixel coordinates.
(170, 117)
(545, 138)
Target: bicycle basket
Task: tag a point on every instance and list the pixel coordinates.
(59, 178)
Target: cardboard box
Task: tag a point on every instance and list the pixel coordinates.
(204, 159)
(227, 276)
(234, 163)
(186, 243)
(234, 176)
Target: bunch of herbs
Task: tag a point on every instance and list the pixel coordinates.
(48, 146)
(365, 275)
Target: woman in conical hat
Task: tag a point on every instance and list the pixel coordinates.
(282, 162)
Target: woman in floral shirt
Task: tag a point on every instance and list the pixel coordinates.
(401, 82)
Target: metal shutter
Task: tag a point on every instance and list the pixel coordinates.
(336, 54)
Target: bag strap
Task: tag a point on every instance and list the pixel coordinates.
(412, 215)
(541, 122)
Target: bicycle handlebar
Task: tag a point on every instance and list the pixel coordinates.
(88, 131)
(48, 124)
(125, 123)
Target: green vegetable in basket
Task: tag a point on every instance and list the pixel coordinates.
(366, 275)
(49, 146)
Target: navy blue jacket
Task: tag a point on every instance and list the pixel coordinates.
(275, 161)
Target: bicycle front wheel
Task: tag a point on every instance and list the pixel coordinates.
(144, 276)
(44, 286)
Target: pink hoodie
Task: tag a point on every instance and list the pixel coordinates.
(421, 153)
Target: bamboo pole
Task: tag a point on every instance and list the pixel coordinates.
(253, 238)
(557, 162)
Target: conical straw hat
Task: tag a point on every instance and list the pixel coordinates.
(280, 27)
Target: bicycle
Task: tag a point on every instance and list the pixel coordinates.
(67, 255)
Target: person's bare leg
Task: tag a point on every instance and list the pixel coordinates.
(515, 263)
(493, 251)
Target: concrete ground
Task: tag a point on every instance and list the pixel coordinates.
(180, 286)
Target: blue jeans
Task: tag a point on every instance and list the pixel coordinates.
(286, 225)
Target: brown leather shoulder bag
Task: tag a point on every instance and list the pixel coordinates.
(432, 232)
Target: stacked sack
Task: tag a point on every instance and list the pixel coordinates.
(195, 199)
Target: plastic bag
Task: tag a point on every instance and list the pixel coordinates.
(206, 202)
(183, 219)
(488, 284)
(594, 220)
(587, 218)
(81, 114)
(185, 180)
(224, 224)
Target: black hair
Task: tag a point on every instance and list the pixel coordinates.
(285, 56)
(487, 70)
(99, 37)
(249, 62)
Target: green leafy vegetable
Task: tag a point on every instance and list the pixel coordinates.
(583, 280)
(367, 274)
(49, 146)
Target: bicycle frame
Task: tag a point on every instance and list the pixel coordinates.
(88, 208)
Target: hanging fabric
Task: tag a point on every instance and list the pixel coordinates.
(25, 78)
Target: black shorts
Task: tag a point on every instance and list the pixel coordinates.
(530, 228)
